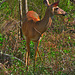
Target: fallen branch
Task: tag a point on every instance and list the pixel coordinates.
(12, 57)
(3, 68)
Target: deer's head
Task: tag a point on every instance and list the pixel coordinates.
(54, 9)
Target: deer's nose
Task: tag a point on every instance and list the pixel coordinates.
(65, 14)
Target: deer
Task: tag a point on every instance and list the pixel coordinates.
(32, 29)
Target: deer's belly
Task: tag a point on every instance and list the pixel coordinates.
(35, 39)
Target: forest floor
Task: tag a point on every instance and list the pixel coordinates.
(57, 48)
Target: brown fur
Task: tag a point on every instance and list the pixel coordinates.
(33, 30)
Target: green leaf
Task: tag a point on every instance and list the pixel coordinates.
(69, 37)
(1, 39)
(66, 51)
(43, 54)
(59, 72)
(0, 44)
(74, 44)
(68, 19)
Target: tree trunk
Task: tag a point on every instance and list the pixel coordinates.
(24, 8)
(20, 12)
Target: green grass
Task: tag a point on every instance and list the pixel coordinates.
(57, 46)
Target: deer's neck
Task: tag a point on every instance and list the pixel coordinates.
(41, 26)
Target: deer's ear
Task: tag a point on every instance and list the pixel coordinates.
(46, 2)
(55, 4)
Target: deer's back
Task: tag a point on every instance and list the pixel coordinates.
(29, 24)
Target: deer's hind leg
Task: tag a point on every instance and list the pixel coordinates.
(27, 52)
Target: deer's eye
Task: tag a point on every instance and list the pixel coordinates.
(56, 8)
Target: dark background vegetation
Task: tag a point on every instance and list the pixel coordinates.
(57, 46)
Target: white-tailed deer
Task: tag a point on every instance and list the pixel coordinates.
(33, 29)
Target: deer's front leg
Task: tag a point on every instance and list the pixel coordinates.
(36, 49)
(27, 52)
(35, 54)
